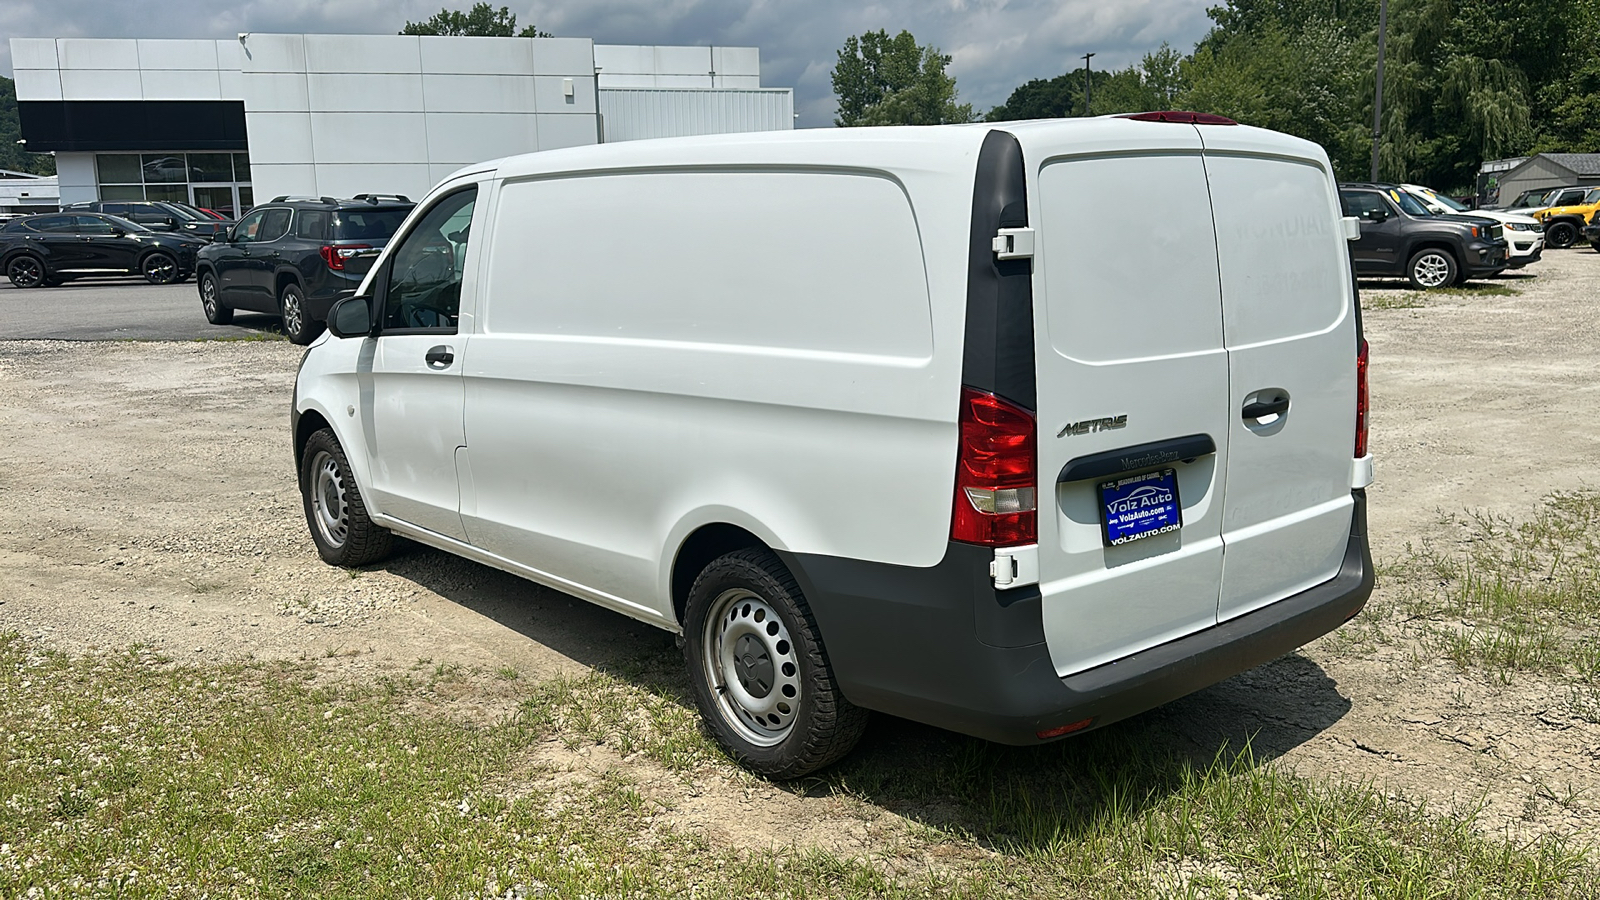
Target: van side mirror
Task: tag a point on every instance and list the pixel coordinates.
(350, 317)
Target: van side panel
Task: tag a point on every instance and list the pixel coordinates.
(1290, 332)
(1131, 329)
(654, 343)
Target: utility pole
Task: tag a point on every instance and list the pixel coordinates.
(1377, 100)
(1086, 58)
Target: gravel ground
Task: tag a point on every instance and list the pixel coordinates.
(150, 499)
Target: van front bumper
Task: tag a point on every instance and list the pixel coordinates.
(906, 641)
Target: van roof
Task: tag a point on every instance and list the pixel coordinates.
(941, 147)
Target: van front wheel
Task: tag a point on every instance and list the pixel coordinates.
(759, 671)
(340, 527)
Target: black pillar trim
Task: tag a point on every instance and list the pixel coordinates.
(998, 355)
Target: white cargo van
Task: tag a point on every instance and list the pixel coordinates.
(1017, 430)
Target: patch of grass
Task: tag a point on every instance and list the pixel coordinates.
(1406, 298)
(1399, 300)
(1513, 596)
(127, 775)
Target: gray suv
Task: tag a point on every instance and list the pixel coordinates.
(1400, 238)
(290, 258)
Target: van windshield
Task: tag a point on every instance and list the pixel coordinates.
(368, 224)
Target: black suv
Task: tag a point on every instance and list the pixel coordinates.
(44, 251)
(156, 215)
(1400, 238)
(288, 258)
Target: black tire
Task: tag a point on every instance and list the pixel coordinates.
(337, 516)
(27, 271)
(297, 323)
(752, 646)
(1595, 245)
(217, 313)
(159, 268)
(1560, 235)
(1432, 268)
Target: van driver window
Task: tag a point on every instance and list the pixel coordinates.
(424, 289)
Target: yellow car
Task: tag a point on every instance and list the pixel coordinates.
(1563, 224)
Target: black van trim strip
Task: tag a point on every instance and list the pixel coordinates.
(1140, 456)
(998, 352)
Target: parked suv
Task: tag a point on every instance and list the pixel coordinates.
(289, 258)
(1564, 222)
(1524, 234)
(44, 251)
(156, 215)
(1400, 238)
(1591, 231)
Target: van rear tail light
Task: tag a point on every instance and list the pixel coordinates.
(996, 496)
(335, 256)
(1361, 401)
(1059, 730)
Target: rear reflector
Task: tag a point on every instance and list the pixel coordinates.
(1361, 401)
(335, 256)
(1059, 730)
(1186, 118)
(996, 497)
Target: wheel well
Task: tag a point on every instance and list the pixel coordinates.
(706, 544)
(1575, 221)
(284, 280)
(310, 423)
(1436, 245)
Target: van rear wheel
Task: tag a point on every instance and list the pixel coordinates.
(759, 671)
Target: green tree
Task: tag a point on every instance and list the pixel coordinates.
(881, 80)
(482, 20)
(12, 154)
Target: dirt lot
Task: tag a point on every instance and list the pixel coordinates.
(149, 499)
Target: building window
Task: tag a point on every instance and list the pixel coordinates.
(219, 181)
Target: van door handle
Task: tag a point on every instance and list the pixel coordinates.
(440, 357)
(1260, 409)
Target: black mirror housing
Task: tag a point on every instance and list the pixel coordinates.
(350, 317)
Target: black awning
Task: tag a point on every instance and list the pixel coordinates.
(132, 124)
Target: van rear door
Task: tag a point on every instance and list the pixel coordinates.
(1289, 323)
(1132, 379)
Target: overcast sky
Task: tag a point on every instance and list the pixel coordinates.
(996, 44)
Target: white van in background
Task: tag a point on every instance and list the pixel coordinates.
(877, 419)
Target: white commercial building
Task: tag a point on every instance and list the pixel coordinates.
(222, 123)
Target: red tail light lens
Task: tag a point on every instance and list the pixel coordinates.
(335, 256)
(996, 501)
(1361, 401)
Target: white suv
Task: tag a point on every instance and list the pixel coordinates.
(1524, 234)
(877, 419)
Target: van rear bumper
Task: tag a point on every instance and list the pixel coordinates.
(905, 641)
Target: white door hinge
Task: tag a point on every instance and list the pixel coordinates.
(1015, 567)
(1014, 243)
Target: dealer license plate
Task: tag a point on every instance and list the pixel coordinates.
(1140, 506)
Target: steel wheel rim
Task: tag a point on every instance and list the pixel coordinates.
(750, 662)
(208, 294)
(291, 312)
(328, 506)
(1432, 270)
(25, 272)
(160, 268)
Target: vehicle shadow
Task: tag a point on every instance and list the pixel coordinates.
(1011, 798)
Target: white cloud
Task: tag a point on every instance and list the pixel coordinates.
(995, 44)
